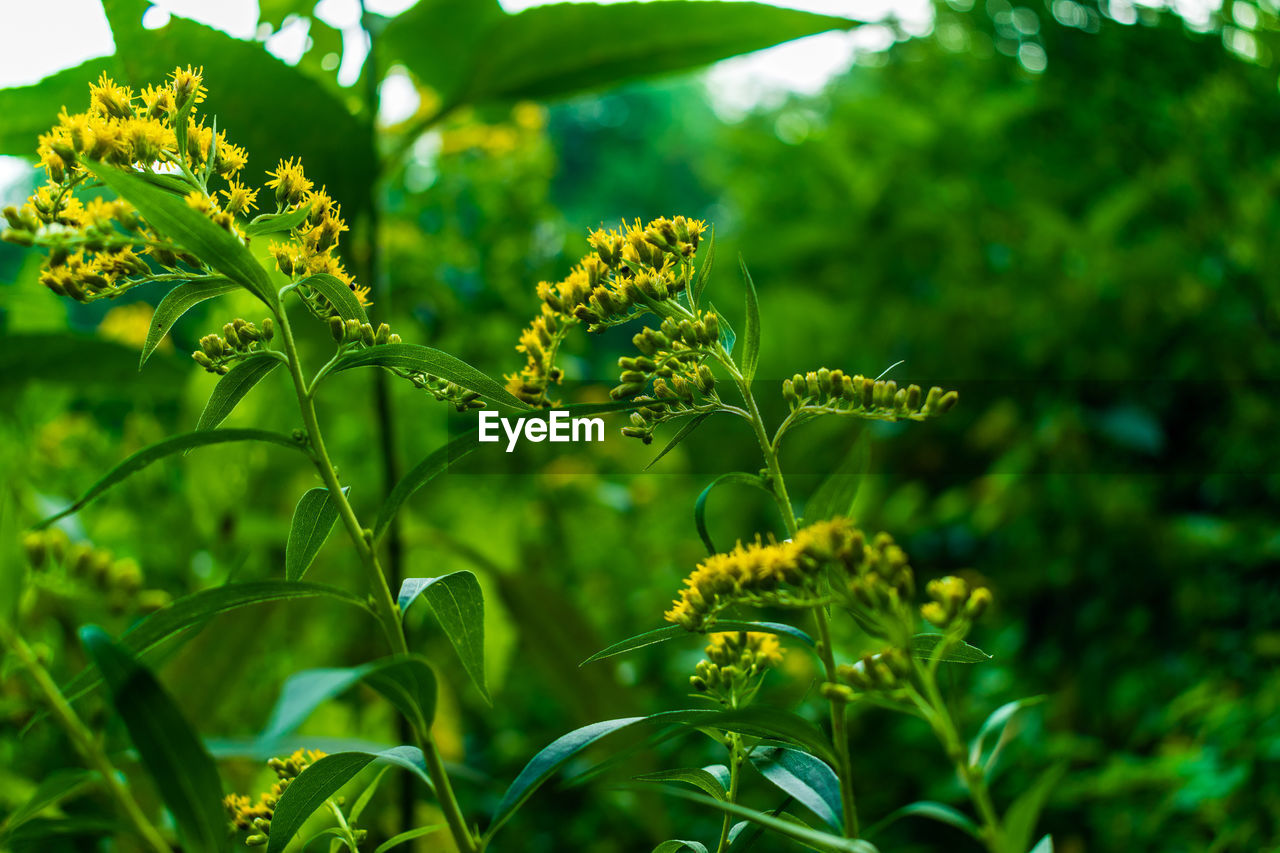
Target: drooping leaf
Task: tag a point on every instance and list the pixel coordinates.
(941, 812)
(417, 358)
(685, 430)
(179, 301)
(406, 681)
(192, 230)
(1020, 820)
(836, 494)
(168, 447)
(396, 840)
(323, 779)
(674, 632)
(675, 845)
(233, 385)
(700, 506)
(922, 646)
(698, 777)
(274, 223)
(421, 474)
(313, 519)
(704, 271)
(338, 294)
(56, 787)
(994, 727)
(751, 346)
(458, 604)
(184, 773)
(811, 781)
(764, 721)
(557, 50)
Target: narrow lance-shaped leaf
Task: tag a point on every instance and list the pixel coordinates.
(811, 781)
(458, 604)
(233, 385)
(421, 474)
(179, 301)
(941, 812)
(1024, 812)
(338, 294)
(313, 518)
(704, 271)
(675, 632)
(172, 754)
(923, 645)
(688, 427)
(994, 726)
(676, 845)
(698, 777)
(407, 836)
(168, 447)
(273, 223)
(56, 787)
(836, 495)
(420, 359)
(751, 346)
(700, 505)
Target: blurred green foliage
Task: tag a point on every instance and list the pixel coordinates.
(1086, 251)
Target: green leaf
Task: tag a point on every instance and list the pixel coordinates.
(751, 349)
(168, 447)
(922, 646)
(835, 495)
(700, 506)
(185, 775)
(675, 632)
(397, 840)
(196, 609)
(995, 726)
(940, 812)
(1045, 845)
(727, 336)
(421, 474)
(35, 836)
(56, 787)
(274, 223)
(31, 110)
(1020, 820)
(325, 778)
(366, 795)
(704, 271)
(420, 359)
(406, 681)
(698, 777)
(340, 296)
(233, 385)
(790, 829)
(313, 519)
(557, 50)
(179, 301)
(767, 722)
(812, 782)
(688, 427)
(676, 845)
(458, 604)
(175, 219)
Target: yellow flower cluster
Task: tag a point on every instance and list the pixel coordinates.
(776, 573)
(955, 605)
(629, 272)
(735, 661)
(247, 814)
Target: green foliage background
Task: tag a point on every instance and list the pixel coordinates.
(1087, 253)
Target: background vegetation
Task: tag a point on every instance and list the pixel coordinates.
(1065, 211)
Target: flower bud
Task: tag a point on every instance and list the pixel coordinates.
(706, 379)
(337, 329)
(36, 548)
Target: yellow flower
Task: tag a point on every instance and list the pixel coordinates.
(240, 199)
(188, 86)
(158, 101)
(290, 184)
(111, 100)
(230, 158)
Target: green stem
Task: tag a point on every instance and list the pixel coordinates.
(84, 742)
(735, 762)
(384, 603)
(347, 835)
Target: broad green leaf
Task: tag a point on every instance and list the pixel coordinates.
(688, 427)
(185, 775)
(274, 223)
(922, 646)
(941, 812)
(175, 219)
(198, 608)
(557, 50)
(313, 519)
(751, 347)
(675, 845)
(836, 494)
(994, 726)
(420, 359)
(179, 301)
(396, 840)
(421, 474)
(704, 271)
(811, 781)
(31, 110)
(700, 506)
(406, 681)
(698, 777)
(1045, 845)
(1019, 822)
(790, 829)
(325, 778)
(674, 632)
(168, 447)
(764, 721)
(458, 604)
(233, 385)
(338, 295)
(56, 787)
